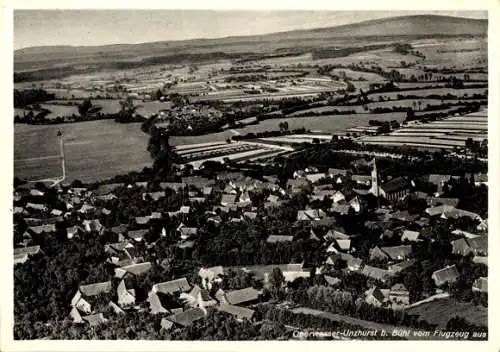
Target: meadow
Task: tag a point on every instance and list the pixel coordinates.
(94, 150)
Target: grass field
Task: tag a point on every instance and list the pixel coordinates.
(372, 77)
(426, 92)
(94, 150)
(324, 109)
(440, 311)
(59, 110)
(326, 123)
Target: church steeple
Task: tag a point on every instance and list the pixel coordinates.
(374, 188)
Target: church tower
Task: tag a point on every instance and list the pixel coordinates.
(375, 187)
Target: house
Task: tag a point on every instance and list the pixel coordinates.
(292, 275)
(313, 236)
(397, 252)
(376, 273)
(142, 220)
(166, 324)
(398, 267)
(38, 207)
(75, 316)
(36, 193)
(175, 186)
(103, 190)
(20, 258)
(310, 214)
(27, 250)
(92, 226)
(154, 195)
(119, 230)
(171, 287)
(399, 294)
(86, 209)
(155, 305)
(480, 260)
(187, 317)
(435, 201)
(353, 263)
(209, 275)
(42, 229)
(298, 185)
(207, 191)
(480, 285)
(461, 247)
(396, 189)
(362, 179)
(313, 178)
(250, 215)
(340, 208)
(95, 319)
(439, 180)
(198, 182)
(278, 238)
(321, 223)
(187, 232)
(137, 235)
(56, 212)
(81, 298)
(374, 296)
(240, 313)
(337, 174)
(242, 296)
(344, 245)
(479, 245)
(376, 253)
(228, 199)
(355, 204)
(338, 196)
(116, 308)
(107, 197)
(198, 297)
(133, 270)
(332, 281)
(411, 236)
(105, 211)
(126, 297)
(184, 209)
(446, 275)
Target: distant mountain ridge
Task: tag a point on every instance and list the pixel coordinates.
(55, 62)
(390, 26)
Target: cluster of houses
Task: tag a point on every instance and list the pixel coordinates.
(178, 302)
(231, 193)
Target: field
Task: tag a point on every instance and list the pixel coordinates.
(426, 92)
(357, 75)
(326, 123)
(440, 311)
(447, 133)
(324, 109)
(59, 110)
(94, 150)
(197, 154)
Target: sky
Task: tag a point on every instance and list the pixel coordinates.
(100, 27)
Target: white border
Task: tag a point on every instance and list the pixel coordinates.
(6, 288)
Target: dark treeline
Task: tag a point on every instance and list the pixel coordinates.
(25, 97)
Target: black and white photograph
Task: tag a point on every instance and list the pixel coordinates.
(249, 175)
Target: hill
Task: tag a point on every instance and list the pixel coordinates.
(393, 28)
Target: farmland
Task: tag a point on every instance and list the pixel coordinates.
(94, 150)
(443, 134)
(439, 311)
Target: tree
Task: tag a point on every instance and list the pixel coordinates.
(84, 107)
(276, 281)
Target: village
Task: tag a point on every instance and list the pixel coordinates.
(144, 228)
